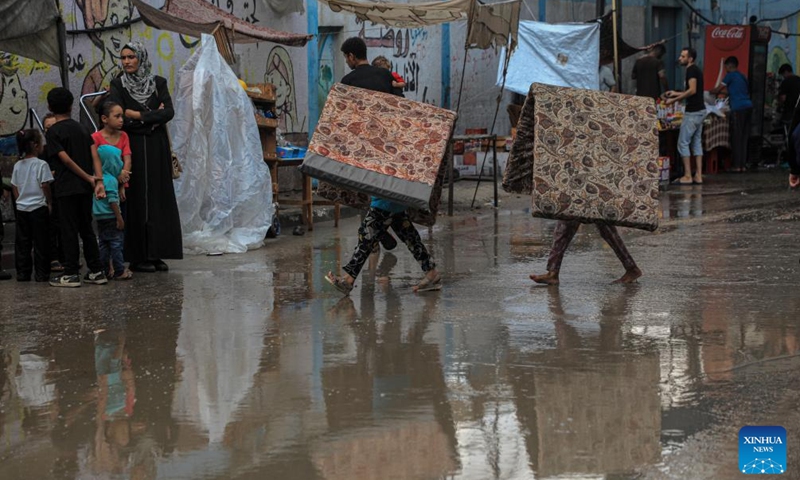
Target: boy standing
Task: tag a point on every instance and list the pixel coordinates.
(78, 176)
(741, 111)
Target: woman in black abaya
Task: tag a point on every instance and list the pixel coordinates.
(152, 225)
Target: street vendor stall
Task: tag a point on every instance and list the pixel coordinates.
(716, 141)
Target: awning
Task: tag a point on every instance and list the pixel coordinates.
(196, 17)
(30, 29)
(404, 14)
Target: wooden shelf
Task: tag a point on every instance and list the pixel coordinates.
(267, 93)
(266, 122)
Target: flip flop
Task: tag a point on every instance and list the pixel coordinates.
(426, 285)
(339, 283)
(678, 182)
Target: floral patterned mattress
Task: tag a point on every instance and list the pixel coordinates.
(380, 145)
(595, 157)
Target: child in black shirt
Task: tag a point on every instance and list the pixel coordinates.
(79, 175)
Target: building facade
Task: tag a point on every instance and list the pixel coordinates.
(431, 59)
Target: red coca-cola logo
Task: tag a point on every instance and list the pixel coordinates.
(728, 38)
(727, 32)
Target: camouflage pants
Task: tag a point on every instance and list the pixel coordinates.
(373, 226)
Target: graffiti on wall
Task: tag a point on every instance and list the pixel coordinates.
(93, 60)
(109, 43)
(280, 72)
(404, 47)
(13, 97)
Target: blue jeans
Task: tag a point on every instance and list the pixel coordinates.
(111, 242)
(691, 135)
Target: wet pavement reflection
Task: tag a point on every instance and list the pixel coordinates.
(250, 367)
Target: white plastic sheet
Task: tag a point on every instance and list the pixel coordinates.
(225, 192)
(564, 55)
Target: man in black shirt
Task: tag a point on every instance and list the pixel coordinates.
(690, 139)
(649, 73)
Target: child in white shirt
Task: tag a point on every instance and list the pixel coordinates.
(31, 183)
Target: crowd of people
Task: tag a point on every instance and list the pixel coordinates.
(119, 176)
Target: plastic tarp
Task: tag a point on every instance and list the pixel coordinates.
(563, 55)
(225, 192)
(29, 29)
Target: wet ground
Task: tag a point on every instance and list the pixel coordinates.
(250, 366)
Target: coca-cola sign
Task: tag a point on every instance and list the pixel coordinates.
(728, 32)
(728, 37)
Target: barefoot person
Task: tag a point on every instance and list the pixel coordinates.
(382, 213)
(562, 236)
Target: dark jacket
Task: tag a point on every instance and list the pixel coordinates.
(152, 116)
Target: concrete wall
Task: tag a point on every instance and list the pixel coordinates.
(94, 59)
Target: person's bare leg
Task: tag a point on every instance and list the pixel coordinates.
(687, 170)
(698, 174)
(431, 276)
(630, 276)
(610, 234)
(562, 237)
(549, 278)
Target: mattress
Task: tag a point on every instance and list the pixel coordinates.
(352, 198)
(380, 145)
(595, 157)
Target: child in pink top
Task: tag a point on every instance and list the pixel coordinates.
(112, 134)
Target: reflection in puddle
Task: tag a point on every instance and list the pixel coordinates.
(257, 370)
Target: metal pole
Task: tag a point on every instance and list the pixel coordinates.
(62, 48)
(494, 168)
(617, 65)
(450, 176)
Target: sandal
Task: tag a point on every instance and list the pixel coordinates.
(339, 283)
(429, 285)
(126, 275)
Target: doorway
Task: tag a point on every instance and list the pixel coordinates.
(665, 26)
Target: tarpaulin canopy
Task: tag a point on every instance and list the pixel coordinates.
(404, 14)
(30, 29)
(196, 17)
(563, 54)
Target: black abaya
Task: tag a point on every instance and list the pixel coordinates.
(152, 225)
